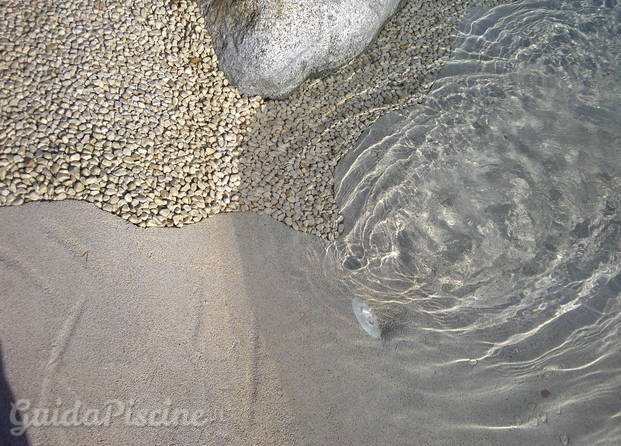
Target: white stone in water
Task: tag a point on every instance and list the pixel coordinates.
(366, 318)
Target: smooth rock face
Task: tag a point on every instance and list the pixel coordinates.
(269, 47)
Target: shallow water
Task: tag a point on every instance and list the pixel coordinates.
(486, 220)
(492, 215)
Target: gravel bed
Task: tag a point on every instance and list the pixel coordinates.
(121, 103)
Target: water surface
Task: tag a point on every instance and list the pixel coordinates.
(492, 214)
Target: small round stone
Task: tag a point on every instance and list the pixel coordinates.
(122, 104)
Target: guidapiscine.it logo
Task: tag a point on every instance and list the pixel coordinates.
(23, 415)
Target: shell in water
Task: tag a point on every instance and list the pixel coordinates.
(366, 318)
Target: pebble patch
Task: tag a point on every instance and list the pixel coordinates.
(294, 145)
(121, 103)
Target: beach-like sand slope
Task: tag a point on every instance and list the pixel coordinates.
(232, 316)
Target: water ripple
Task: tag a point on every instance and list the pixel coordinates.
(493, 211)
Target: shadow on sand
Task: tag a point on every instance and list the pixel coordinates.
(6, 400)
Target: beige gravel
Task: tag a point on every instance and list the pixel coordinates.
(121, 103)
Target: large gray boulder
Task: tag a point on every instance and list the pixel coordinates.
(269, 47)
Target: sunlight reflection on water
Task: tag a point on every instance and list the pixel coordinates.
(492, 212)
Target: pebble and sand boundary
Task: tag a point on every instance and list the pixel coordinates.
(122, 104)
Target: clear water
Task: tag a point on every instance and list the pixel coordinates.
(492, 213)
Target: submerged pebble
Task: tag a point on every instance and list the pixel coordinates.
(293, 146)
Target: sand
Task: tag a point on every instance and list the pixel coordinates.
(233, 316)
(97, 309)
